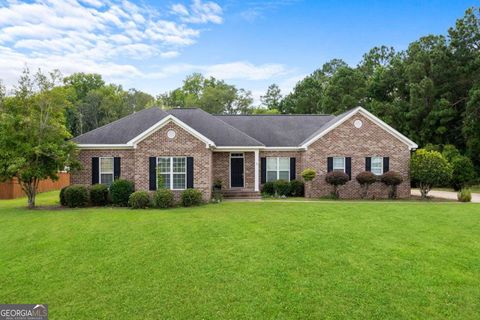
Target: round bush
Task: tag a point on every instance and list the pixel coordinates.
(268, 188)
(336, 178)
(63, 202)
(139, 200)
(392, 179)
(163, 198)
(309, 174)
(99, 195)
(120, 191)
(463, 172)
(464, 195)
(281, 187)
(191, 197)
(297, 188)
(76, 196)
(366, 177)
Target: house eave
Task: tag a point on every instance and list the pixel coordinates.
(103, 146)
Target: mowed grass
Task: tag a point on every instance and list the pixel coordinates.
(259, 260)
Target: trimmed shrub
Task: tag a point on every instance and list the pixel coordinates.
(281, 187)
(120, 191)
(336, 179)
(76, 196)
(217, 195)
(268, 188)
(99, 195)
(463, 172)
(139, 200)
(63, 202)
(429, 169)
(365, 179)
(163, 198)
(297, 188)
(464, 195)
(392, 179)
(191, 197)
(309, 174)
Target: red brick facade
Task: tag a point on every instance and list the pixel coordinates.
(346, 141)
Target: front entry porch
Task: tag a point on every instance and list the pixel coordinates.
(238, 171)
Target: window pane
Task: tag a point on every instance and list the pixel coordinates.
(284, 175)
(271, 175)
(271, 164)
(179, 181)
(377, 165)
(284, 164)
(163, 165)
(106, 164)
(106, 178)
(339, 163)
(165, 178)
(179, 165)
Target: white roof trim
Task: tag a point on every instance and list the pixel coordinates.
(170, 118)
(376, 120)
(104, 146)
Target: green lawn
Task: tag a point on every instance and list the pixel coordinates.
(258, 260)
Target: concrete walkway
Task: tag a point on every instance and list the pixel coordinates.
(446, 195)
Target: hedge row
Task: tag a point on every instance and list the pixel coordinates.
(283, 188)
(122, 193)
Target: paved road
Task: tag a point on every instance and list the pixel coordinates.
(446, 195)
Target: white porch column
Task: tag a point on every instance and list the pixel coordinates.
(257, 161)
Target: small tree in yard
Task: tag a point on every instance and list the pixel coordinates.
(392, 179)
(308, 175)
(33, 138)
(428, 169)
(365, 179)
(463, 172)
(336, 179)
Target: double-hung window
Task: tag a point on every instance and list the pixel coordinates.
(278, 168)
(339, 164)
(106, 170)
(377, 165)
(172, 173)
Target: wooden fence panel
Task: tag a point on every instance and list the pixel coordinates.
(11, 189)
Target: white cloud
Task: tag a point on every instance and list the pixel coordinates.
(106, 37)
(199, 12)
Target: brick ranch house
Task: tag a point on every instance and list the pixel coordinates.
(190, 148)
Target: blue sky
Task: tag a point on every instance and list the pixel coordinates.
(153, 45)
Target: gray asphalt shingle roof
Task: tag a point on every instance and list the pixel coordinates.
(278, 130)
(223, 130)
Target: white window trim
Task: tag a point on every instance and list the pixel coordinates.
(381, 165)
(100, 169)
(171, 173)
(344, 164)
(278, 167)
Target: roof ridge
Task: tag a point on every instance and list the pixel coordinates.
(122, 118)
(275, 115)
(236, 129)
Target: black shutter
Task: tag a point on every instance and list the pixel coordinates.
(263, 167)
(348, 167)
(386, 164)
(329, 164)
(116, 168)
(293, 172)
(152, 169)
(95, 170)
(189, 172)
(368, 164)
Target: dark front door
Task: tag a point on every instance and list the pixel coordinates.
(236, 172)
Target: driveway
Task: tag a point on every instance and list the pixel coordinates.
(446, 195)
